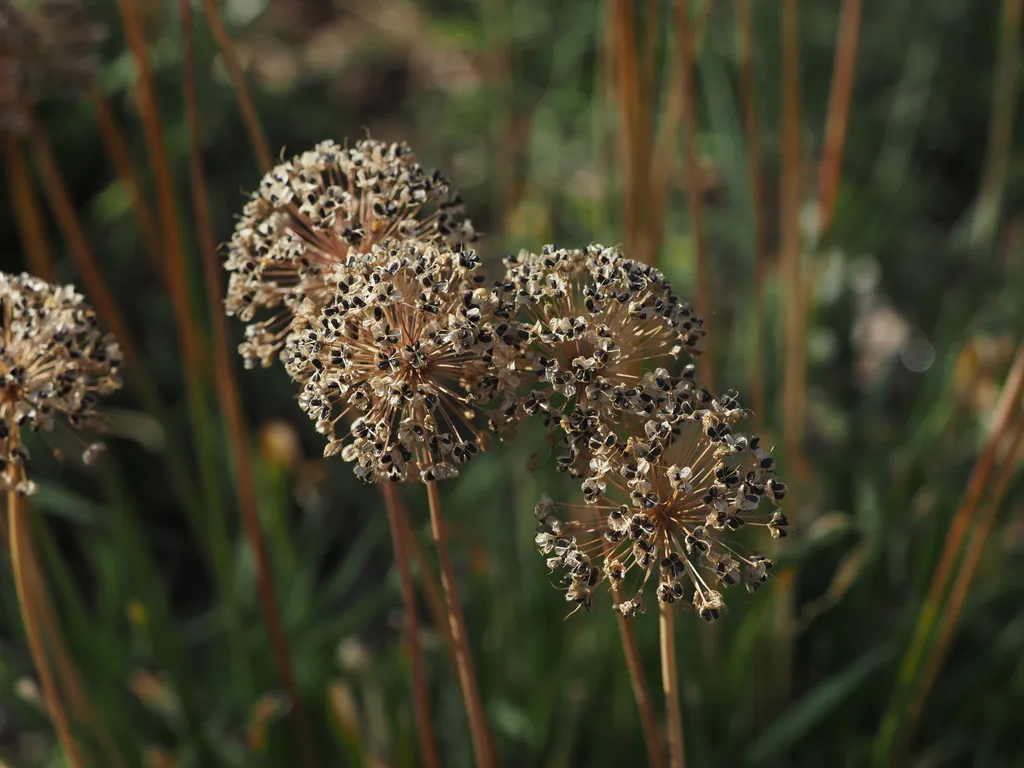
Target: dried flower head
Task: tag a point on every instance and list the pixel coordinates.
(54, 361)
(316, 211)
(593, 318)
(661, 508)
(47, 48)
(407, 347)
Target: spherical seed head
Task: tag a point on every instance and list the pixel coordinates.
(593, 317)
(47, 48)
(316, 211)
(397, 365)
(54, 361)
(661, 514)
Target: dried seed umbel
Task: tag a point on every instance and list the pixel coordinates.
(397, 364)
(660, 513)
(591, 318)
(54, 362)
(47, 48)
(316, 211)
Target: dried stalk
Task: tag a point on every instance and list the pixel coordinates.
(694, 197)
(621, 28)
(670, 685)
(965, 576)
(964, 519)
(748, 88)
(482, 745)
(641, 692)
(79, 702)
(27, 217)
(21, 557)
(116, 145)
(227, 394)
(245, 103)
(840, 96)
(74, 233)
(421, 697)
(431, 589)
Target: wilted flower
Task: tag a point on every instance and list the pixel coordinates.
(47, 47)
(664, 505)
(593, 317)
(406, 346)
(316, 211)
(54, 361)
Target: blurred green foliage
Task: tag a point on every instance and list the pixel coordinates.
(911, 326)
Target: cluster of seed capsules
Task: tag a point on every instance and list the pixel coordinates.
(666, 477)
(54, 362)
(408, 359)
(310, 214)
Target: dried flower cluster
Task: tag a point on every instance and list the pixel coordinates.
(407, 360)
(400, 359)
(662, 503)
(316, 211)
(54, 361)
(47, 47)
(594, 318)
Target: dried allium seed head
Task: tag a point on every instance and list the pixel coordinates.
(406, 350)
(316, 211)
(592, 317)
(47, 48)
(666, 509)
(54, 361)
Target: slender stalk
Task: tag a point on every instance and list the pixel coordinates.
(79, 701)
(31, 230)
(421, 698)
(21, 544)
(116, 146)
(694, 197)
(245, 104)
(431, 589)
(625, 79)
(96, 289)
(794, 380)
(965, 576)
(170, 225)
(670, 685)
(85, 260)
(748, 88)
(840, 96)
(642, 694)
(193, 348)
(227, 395)
(482, 746)
(895, 725)
(663, 159)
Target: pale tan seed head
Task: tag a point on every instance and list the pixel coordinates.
(316, 211)
(398, 364)
(660, 511)
(54, 365)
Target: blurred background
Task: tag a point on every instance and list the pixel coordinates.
(838, 188)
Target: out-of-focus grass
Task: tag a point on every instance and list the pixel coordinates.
(909, 328)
